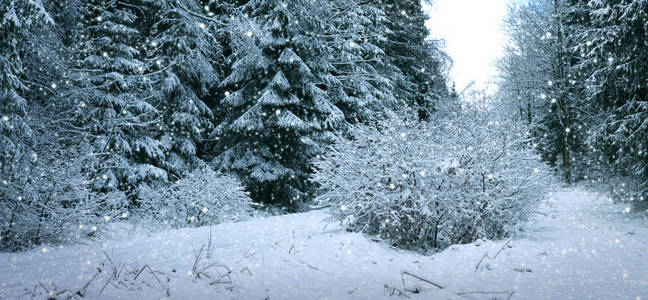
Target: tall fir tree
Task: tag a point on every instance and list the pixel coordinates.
(613, 55)
(421, 83)
(277, 113)
(114, 98)
(184, 37)
(359, 80)
(17, 19)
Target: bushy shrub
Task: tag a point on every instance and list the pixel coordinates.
(202, 197)
(46, 200)
(428, 187)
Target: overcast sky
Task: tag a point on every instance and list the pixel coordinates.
(473, 34)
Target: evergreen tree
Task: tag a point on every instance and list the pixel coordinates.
(613, 50)
(277, 112)
(114, 98)
(184, 38)
(421, 82)
(17, 19)
(359, 82)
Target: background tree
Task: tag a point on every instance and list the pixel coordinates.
(276, 110)
(44, 197)
(420, 82)
(18, 19)
(184, 37)
(124, 99)
(539, 79)
(115, 98)
(612, 46)
(360, 79)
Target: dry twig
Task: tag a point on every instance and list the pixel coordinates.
(494, 257)
(419, 278)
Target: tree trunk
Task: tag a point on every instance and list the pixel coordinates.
(561, 87)
(565, 157)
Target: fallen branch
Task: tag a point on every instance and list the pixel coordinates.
(114, 274)
(92, 279)
(419, 278)
(501, 249)
(140, 272)
(107, 282)
(220, 281)
(44, 288)
(480, 261)
(197, 259)
(156, 278)
(108, 257)
(210, 245)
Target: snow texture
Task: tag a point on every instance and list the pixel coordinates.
(580, 246)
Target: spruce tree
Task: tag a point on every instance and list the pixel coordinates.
(359, 80)
(276, 112)
(114, 98)
(421, 82)
(184, 37)
(613, 50)
(17, 19)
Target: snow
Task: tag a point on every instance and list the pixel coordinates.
(580, 246)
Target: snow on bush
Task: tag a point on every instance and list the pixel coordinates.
(47, 201)
(428, 187)
(202, 197)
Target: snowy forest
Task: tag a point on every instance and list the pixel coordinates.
(179, 128)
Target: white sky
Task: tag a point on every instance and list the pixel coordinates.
(473, 35)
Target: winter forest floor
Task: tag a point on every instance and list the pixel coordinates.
(581, 246)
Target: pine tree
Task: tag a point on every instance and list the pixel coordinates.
(421, 82)
(115, 96)
(17, 18)
(613, 50)
(277, 113)
(360, 81)
(184, 37)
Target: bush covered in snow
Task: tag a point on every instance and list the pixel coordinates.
(202, 197)
(428, 187)
(47, 200)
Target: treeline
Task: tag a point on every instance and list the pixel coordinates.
(576, 72)
(106, 104)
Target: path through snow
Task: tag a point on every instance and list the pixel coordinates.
(585, 247)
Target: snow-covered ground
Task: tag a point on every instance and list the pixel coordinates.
(581, 247)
